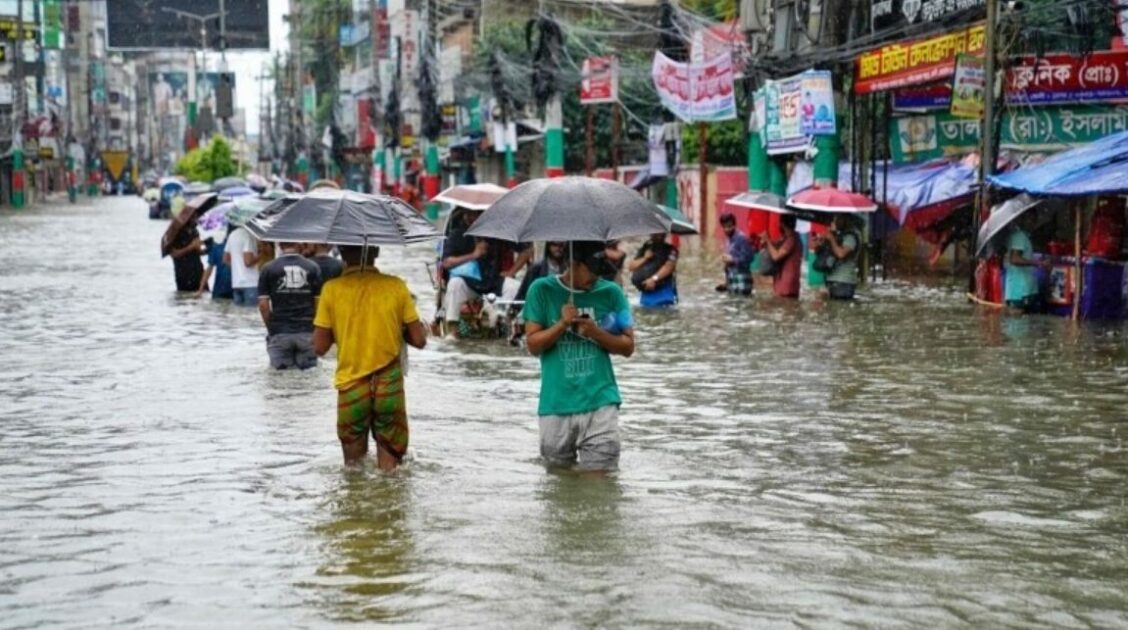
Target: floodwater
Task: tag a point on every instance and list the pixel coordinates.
(900, 462)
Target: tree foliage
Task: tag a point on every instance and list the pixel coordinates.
(727, 141)
(209, 162)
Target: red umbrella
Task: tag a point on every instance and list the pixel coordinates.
(831, 200)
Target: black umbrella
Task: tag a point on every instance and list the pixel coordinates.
(570, 209)
(344, 217)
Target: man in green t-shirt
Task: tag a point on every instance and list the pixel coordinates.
(574, 322)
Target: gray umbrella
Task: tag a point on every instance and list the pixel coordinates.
(1001, 216)
(223, 183)
(344, 217)
(570, 209)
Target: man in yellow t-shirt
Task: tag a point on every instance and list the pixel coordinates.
(369, 315)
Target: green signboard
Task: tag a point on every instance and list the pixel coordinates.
(52, 24)
(930, 136)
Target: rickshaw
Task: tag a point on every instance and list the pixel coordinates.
(169, 187)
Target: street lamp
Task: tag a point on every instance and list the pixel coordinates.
(202, 20)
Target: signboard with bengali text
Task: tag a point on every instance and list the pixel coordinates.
(1064, 78)
(915, 62)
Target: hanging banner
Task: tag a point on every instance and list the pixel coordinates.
(968, 87)
(935, 96)
(915, 62)
(656, 150)
(816, 112)
(782, 120)
(1065, 78)
(927, 137)
(695, 92)
(600, 80)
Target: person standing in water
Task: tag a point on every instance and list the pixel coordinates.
(574, 322)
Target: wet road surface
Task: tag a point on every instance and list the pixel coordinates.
(899, 462)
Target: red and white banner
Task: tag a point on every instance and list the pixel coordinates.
(600, 80)
(695, 91)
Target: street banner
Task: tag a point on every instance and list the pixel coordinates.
(915, 62)
(816, 111)
(176, 24)
(930, 136)
(52, 24)
(935, 96)
(886, 15)
(599, 80)
(656, 150)
(309, 98)
(968, 87)
(1064, 78)
(758, 116)
(695, 92)
(782, 124)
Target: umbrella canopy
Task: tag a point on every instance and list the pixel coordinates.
(192, 209)
(170, 180)
(344, 217)
(756, 200)
(570, 209)
(1099, 167)
(196, 188)
(275, 193)
(236, 191)
(258, 182)
(679, 224)
(1003, 215)
(472, 196)
(216, 218)
(324, 183)
(246, 208)
(264, 219)
(831, 200)
(224, 183)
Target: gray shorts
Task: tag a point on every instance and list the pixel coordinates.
(290, 350)
(591, 439)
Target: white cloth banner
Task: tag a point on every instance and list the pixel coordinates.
(695, 92)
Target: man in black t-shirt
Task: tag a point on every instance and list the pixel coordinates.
(330, 267)
(288, 289)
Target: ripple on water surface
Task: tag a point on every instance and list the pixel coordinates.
(901, 461)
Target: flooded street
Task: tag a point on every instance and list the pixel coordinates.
(902, 461)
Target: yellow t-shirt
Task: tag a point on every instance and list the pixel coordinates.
(366, 310)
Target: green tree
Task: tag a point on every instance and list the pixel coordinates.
(209, 162)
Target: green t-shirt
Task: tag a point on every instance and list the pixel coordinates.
(576, 373)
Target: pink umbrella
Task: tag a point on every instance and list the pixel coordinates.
(471, 196)
(831, 200)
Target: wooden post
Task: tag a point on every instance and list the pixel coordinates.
(703, 173)
(616, 123)
(1078, 280)
(589, 155)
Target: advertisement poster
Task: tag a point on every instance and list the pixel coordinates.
(783, 116)
(600, 80)
(917, 62)
(656, 151)
(816, 113)
(968, 86)
(695, 92)
(170, 91)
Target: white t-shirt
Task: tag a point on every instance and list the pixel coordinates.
(239, 242)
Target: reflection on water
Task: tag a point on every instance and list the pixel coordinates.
(368, 544)
(901, 461)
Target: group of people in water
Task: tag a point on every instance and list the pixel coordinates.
(574, 311)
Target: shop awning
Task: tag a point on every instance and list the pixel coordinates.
(911, 187)
(1099, 168)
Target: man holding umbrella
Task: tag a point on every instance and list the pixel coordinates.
(574, 322)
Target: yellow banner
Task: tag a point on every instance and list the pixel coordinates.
(921, 61)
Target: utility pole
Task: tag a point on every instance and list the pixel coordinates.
(19, 183)
(987, 131)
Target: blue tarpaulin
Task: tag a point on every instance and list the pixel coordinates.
(1098, 168)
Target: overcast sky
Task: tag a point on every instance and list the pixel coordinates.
(248, 65)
